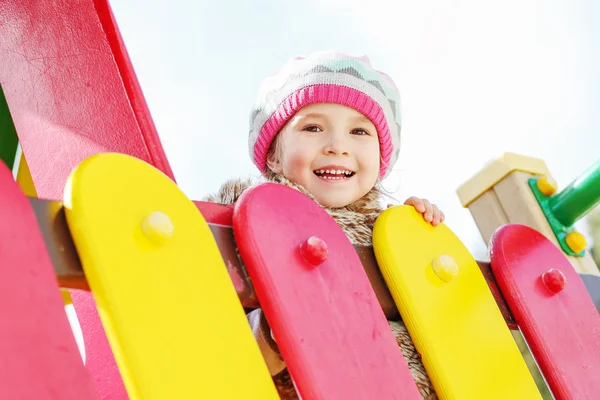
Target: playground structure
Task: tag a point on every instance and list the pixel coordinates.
(160, 293)
(520, 190)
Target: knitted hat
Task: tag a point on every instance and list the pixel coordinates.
(326, 77)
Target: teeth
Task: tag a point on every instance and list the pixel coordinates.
(341, 172)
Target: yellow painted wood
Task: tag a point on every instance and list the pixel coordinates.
(455, 323)
(24, 178)
(66, 296)
(164, 295)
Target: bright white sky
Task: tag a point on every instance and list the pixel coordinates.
(477, 78)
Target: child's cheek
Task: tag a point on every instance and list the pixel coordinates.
(297, 166)
(300, 160)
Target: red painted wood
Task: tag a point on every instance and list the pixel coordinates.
(133, 89)
(71, 89)
(327, 321)
(99, 358)
(563, 328)
(40, 358)
(215, 213)
(72, 93)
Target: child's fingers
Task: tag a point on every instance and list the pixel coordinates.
(416, 203)
(438, 216)
(431, 212)
(428, 210)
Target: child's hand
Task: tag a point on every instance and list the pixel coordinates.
(430, 212)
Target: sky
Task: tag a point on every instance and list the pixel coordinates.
(476, 79)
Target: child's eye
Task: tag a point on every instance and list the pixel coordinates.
(312, 128)
(359, 131)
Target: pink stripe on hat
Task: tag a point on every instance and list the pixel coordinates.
(324, 93)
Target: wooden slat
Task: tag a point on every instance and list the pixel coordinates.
(561, 328)
(326, 319)
(454, 321)
(166, 300)
(40, 358)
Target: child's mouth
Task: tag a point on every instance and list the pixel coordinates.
(334, 174)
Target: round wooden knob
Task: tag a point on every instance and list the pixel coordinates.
(576, 242)
(314, 250)
(157, 227)
(554, 280)
(445, 267)
(547, 185)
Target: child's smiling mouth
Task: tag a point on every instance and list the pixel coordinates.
(334, 173)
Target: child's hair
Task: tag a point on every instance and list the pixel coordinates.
(325, 77)
(275, 153)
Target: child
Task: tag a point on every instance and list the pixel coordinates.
(328, 125)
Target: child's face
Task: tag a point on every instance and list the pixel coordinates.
(331, 150)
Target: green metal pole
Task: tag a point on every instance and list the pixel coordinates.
(574, 201)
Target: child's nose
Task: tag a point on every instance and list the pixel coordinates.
(337, 145)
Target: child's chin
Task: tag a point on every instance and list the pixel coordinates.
(334, 201)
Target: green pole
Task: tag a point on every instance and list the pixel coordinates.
(574, 201)
(8, 135)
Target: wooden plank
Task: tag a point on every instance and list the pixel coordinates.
(40, 358)
(52, 223)
(488, 214)
(520, 205)
(449, 310)
(164, 295)
(320, 304)
(560, 322)
(51, 220)
(66, 101)
(50, 217)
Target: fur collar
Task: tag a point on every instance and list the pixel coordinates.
(356, 219)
